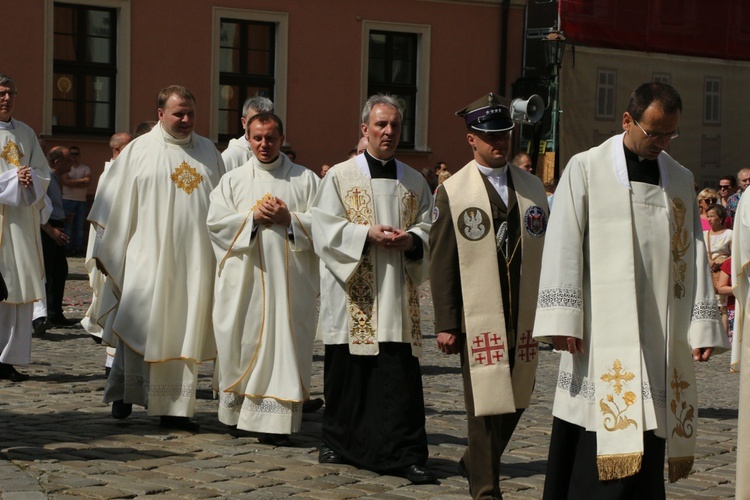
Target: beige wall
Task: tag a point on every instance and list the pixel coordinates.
(171, 42)
(581, 130)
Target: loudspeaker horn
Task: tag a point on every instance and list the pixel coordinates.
(529, 110)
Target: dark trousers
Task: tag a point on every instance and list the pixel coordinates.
(374, 413)
(56, 271)
(488, 438)
(572, 472)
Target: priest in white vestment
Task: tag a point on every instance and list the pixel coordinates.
(626, 295)
(24, 175)
(740, 346)
(488, 228)
(238, 150)
(97, 279)
(370, 229)
(153, 245)
(266, 287)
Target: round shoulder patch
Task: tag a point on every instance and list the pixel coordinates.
(473, 223)
(435, 214)
(535, 221)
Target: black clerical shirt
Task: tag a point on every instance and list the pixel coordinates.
(646, 171)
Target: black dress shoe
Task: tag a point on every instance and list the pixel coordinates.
(179, 423)
(40, 327)
(415, 473)
(121, 409)
(9, 372)
(62, 321)
(312, 405)
(327, 456)
(276, 439)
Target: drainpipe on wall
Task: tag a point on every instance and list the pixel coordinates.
(504, 47)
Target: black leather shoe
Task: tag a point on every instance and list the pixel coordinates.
(179, 423)
(62, 321)
(40, 327)
(312, 405)
(9, 372)
(276, 439)
(417, 474)
(327, 456)
(121, 409)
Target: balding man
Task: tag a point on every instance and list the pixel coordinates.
(152, 244)
(24, 176)
(238, 151)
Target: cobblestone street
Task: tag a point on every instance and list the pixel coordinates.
(58, 440)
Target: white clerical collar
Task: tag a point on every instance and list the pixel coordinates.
(493, 172)
(382, 162)
(7, 125)
(269, 167)
(170, 139)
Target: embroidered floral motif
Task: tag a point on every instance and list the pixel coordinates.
(416, 328)
(186, 178)
(410, 209)
(358, 206)
(706, 309)
(614, 415)
(12, 154)
(570, 298)
(680, 246)
(582, 387)
(683, 412)
(360, 299)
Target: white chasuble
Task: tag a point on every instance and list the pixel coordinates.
(153, 244)
(238, 153)
(488, 337)
(369, 294)
(740, 346)
(21, 262)
(265, 296)
(625, 270)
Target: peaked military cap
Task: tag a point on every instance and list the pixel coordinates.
(490, 114)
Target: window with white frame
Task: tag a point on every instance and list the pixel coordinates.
(605, 93)
(249, 58)
(712, 101)
(396, 62)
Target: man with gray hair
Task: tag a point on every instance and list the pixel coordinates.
(24, 176)
(370, 226)
(238, 151)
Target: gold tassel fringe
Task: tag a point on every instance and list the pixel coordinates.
(618, 466)
(679, 468)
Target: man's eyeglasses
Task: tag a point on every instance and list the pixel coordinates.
(655, 135)
(724, 186)
(10, 94)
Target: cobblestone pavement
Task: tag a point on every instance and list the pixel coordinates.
(57, 439)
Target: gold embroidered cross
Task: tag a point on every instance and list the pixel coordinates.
(186, 178)
(12, 154)
(618, 376)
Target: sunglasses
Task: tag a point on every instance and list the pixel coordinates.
(709, 200)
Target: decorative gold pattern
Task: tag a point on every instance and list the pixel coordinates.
(615, 418)
(358, 206)
(416, 329)
(683, 412)
(410, 208)
(186, 178)
(680, 246)
(12, 154)
(360, 299)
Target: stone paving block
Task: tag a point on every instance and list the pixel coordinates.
(99, 492)
(259, 482)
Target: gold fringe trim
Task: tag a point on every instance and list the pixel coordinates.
(618, 466)
(679, 468)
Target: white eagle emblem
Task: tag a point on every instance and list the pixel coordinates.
(474, 229)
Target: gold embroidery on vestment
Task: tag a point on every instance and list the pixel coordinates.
(680, 247)
(614, 416)
(360, 298)
(358, 206)
(266, 197)
(683, 412)
(12, 154)
(186, 178)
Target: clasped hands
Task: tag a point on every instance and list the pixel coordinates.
(24, 176)
(391, 238)
(272, 211)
